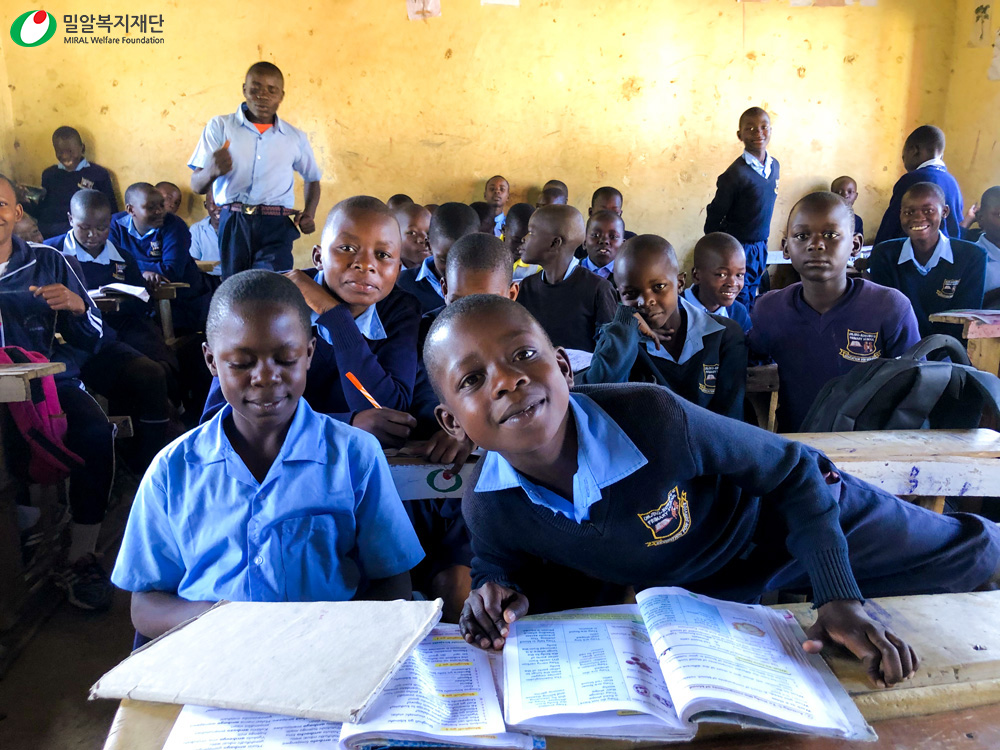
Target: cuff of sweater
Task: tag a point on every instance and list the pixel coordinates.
(831, 576)
(625, 316)
(343, 330)
(479, 581)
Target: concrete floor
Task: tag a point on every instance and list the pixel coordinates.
(43, 697)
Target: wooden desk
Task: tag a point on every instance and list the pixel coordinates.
(15, 380)
(207, 266)
(764, 379)
(163, 296)
(982, 330)
(107, 303)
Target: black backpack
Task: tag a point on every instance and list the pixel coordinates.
(907, 393)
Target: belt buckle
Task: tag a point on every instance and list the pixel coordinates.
(249, 210)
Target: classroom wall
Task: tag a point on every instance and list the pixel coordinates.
(641, 94)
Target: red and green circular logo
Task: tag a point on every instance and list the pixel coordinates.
(33, 28)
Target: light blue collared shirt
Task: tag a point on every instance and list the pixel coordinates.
(425, 272)
(263, 163)
(106, 257)
(127, 222)
(205, 243)
(691, 297)
(992, 263)
(572, 267)
(602, 271)
(325, 520)
(699, 325)
(82, 165)
(604, 455)
(764, 170)
(367, 322)
(498, 224)
(942, 251)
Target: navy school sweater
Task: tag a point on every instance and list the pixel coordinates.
(27, 321)
(947, 286)
(386, 367)
(744, 202)
(891, 227)
(60, 186)
(571, 310)
(714, 378)
(426, 295)
(716, 486)
(424, 399)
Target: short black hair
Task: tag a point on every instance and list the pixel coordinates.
(498, 177)
(606, 191)
(482, 209)
(480, 252)
(164, 183)
(554, 195)
(65, 133)
(256, 288)
(368, 203)
(842, 178)
(647, 245)
(991, 196)
(13, 186)
(559, 185)
(473, 306)
(928, 187)
(822, 199)
(136, 189)
(605, 214)
(452, 221)
(926, 137)
(714, 243)
(265, 68)
(753, 112)
(399, 200)
(89, 200)
(520, 212)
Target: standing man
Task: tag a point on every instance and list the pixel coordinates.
(247, 159)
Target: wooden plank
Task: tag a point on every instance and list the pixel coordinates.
(984, 353)
(207, 266)
(909, 444)
(955, 477)
(965, 317)
(762, 379)
(15, 379)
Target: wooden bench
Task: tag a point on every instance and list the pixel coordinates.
(981, 328)
(207, 266)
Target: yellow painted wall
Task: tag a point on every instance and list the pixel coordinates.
(973, 110)
(642, 94)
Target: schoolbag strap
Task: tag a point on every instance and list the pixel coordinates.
(989, 386)
(938, 342)
(932, 379)
(855, 402)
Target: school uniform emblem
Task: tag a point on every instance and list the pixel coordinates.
(948, 288)
(154, 249)
(86, 184)
(670, 521)
(119, 272)
(862, 346)
(708, 375)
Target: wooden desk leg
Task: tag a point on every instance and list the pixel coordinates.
(772, 413)
(166, 319)
(985, 355)
(930, 502)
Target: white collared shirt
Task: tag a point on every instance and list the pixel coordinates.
(764, 170)
(368, 323)
(935, 162)
(942, 251)
(107, 256)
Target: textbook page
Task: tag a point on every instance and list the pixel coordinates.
(443, 690)
(117, 288)
(203, 728)
(587, 674)
(745, 659)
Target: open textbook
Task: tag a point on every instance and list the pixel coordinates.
(117, 288)
(443, 696)
(657, 669)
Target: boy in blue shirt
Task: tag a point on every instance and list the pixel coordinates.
(205, 238)
(604, 237)
(847, 188)
(630, 485)
(248, 159)
(922, 154)
(657, 336)
(826, 324)
(719, 272)
(495, 195)
(268, 501)
(744, 198)
(936, 272)
(72, 172)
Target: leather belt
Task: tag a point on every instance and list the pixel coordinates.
(243, 208)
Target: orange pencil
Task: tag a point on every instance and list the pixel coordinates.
(226, 144)
(366, 394)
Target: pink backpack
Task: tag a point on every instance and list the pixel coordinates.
(41, 422)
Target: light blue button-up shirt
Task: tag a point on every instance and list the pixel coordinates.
(764, 170)
(263, 163)
(129, 223)
(107, 256)
(82, 165)
(992, 263)
(602, 271)
(699, 325)
(367, 322)
(205, 243)
(604, 455)
(425, 272)
(498, 224)
(325, 520)
(691, 297)
(942, 251)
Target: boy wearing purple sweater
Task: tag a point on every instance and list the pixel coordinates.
(824, 325)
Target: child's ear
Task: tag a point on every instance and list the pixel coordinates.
(448, 422)
(310, 351)
(206, 352)
(318, 257)
(514, 290)
(695, 275)
(859, 242)
(784, 248)
(945, 212)
(682, 278)
(562, 358)
(444, 286)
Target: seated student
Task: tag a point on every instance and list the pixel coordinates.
(604, 198)
(922, 154)
(935, 272)
(630, 485)
(40, 296)
(171, 196)
(719, 267)
(604, 237)
(559, 185)
(205, 236)
(551, 196)
(988, 216)
(160, 243)
(570, 302)
(72, 172)
(27, 229)
(847, 189)
(826, 324)
(450, 222)
(657, 336)
(495, 195)
(363, 323)
(287, 504)
(414, 224)
(514, 232)
(399, 200)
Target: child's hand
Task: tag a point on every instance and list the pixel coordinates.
(487, 613)
(391, 427)
(318, 299)
(660, 338)
(970, 217)
(58, 297)
(442, 448)
(886, 658)
(222, 160)
(305, 223)
(154, 280)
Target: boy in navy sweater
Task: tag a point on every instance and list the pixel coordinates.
(744, 198)
(934, 271)
(719, 271)
(72, 172)
(448, 224)
(363, 324)
(658, 336)
(847, 189)
(826, 324)
(584, 481)
(40, 296)
(922, 154)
